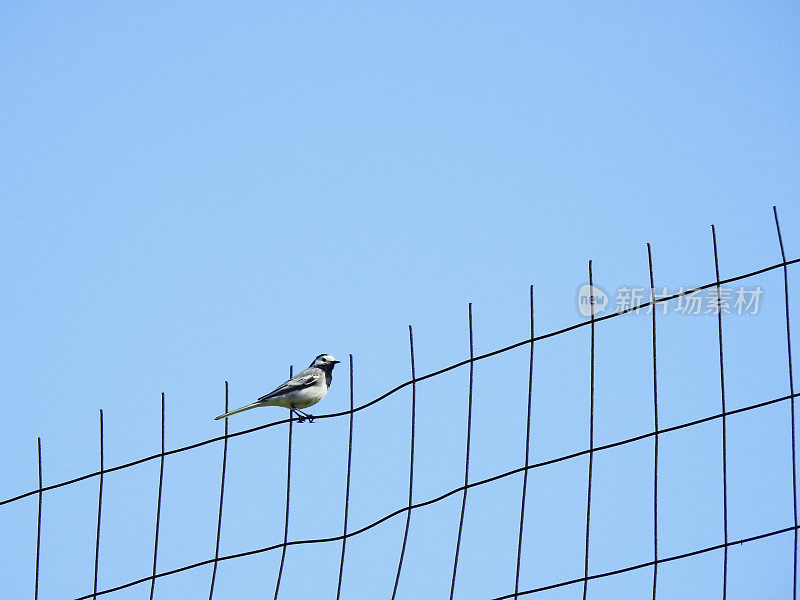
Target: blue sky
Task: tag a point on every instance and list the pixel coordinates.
(197, 193)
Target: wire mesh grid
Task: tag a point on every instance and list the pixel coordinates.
(516, 587)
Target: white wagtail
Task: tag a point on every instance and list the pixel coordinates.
(305, 389)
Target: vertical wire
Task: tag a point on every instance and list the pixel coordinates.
(221, 496)
(591, 437)
(288, 489)
(158, 506)
(466, 460)
(791, 391)
(527, 460)
(99, 510)
(347, 485)
(655, 424)
(38, 522)
(724, 428)
(411, 466)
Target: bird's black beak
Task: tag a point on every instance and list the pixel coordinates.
(335, 362)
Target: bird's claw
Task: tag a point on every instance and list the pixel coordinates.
(304, 417)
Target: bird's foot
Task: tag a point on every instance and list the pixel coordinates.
(304, 417)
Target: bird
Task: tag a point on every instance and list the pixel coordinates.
(305, 389)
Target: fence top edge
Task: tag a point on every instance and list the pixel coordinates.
(405, 384)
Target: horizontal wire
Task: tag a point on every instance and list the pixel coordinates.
(424, 503)
(506, 597)
(651, 563)
(406, 383)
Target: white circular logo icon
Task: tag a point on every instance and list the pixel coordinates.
(591, 296)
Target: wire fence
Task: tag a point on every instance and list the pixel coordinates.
(525, 468)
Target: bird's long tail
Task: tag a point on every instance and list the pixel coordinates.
(238, 410)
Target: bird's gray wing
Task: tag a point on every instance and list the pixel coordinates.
(303, 379)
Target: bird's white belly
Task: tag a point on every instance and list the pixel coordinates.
(300, 398)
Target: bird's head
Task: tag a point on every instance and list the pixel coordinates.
(324, 361)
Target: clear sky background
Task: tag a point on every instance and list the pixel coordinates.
(195, 193)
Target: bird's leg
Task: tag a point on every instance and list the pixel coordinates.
(304, 416)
